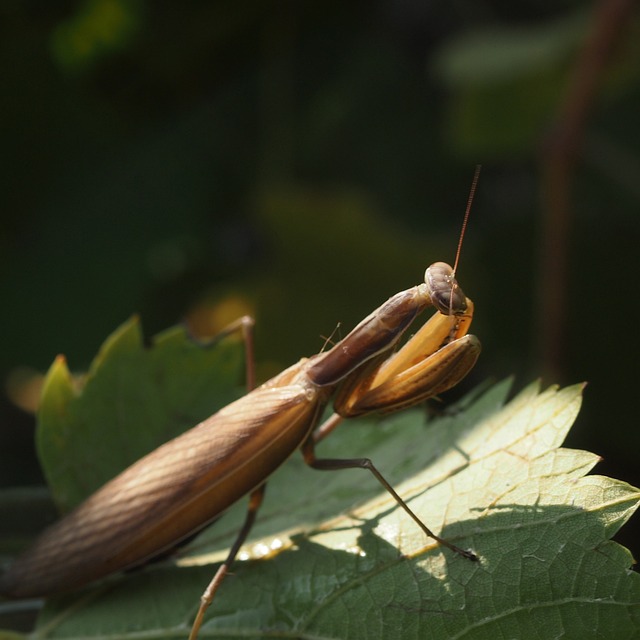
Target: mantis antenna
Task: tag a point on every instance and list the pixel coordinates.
(472, 193)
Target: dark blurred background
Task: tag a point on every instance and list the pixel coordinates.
(304, 161)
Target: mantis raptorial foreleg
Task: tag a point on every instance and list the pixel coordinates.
(432, 361)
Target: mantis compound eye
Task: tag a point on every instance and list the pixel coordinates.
(446, 294)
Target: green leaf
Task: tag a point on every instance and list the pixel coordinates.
(505, 84)
(486, 476)
(133, 399)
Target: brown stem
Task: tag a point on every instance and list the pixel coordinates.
(558, 161)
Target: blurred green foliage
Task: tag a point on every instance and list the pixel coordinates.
(96, 31)
(304, 161)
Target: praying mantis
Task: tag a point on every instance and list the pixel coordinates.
(188, 482)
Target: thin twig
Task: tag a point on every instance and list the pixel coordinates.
(558, 160)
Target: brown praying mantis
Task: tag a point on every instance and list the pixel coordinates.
(185, 484)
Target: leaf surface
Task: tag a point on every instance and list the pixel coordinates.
(133, 399)
(332, 556)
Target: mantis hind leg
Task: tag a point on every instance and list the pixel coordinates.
(255, 500)
(244, 326)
